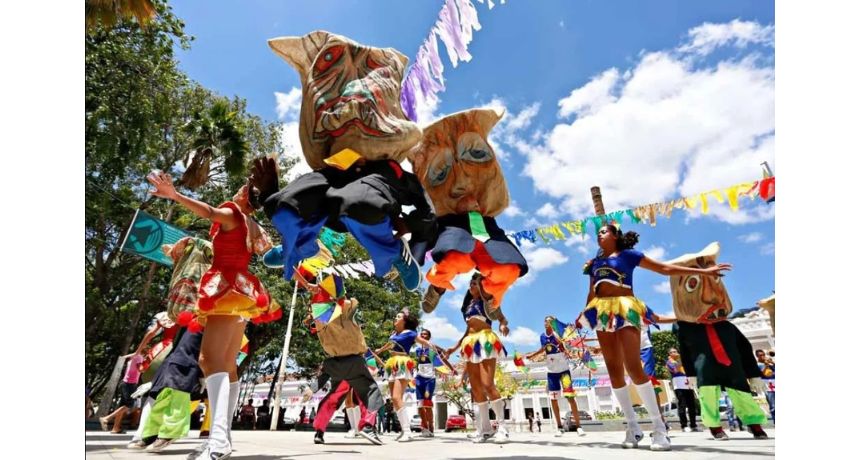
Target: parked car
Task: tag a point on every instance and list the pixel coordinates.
(455, 422)
(570, 421)
(415, 423)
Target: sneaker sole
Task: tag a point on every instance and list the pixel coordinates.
(373, 440)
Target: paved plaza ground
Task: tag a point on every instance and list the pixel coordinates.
(266, 445)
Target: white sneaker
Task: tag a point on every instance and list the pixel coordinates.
(482, 438)
(559, 433)
(687, 429)
(425, 433)
(351, 434)
(405, 436)
(660, 442)
(198, 450)
(501, 436)
(632, 438)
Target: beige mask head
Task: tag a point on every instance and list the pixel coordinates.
(350, 97)
(699, 298)
(457, 166)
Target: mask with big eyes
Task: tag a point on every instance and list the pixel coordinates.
(350, 97)
(457, 166)
(699, 298)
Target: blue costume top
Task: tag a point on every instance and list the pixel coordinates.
(426, 366)
(403, 341)
(475, 309)
(617, 270)
(549, 343)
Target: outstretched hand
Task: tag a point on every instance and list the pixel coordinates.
(163, 184)
(264, 177)
(717, 270)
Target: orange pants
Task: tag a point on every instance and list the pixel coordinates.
(497, 277)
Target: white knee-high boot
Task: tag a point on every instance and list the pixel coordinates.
(353, 419)
(498, 405)
(634, 433)
(661, 438)
(403, 418)
(234, 401)
(218, 388)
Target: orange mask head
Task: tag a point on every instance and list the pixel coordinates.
(457, 166)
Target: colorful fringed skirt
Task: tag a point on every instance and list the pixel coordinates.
(235, 293)
(399, 367)
(481, 345)
(609, 314)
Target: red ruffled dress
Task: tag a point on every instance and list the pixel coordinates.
(228, 288)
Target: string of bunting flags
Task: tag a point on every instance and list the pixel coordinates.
(763, 189)
(454, 26)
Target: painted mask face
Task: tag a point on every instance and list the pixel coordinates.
(457, 166)
(350, 97)
(698, 298)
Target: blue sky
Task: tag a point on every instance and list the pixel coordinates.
(651, 100)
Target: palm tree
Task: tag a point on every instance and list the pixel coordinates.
(107, 12)
(215, 133)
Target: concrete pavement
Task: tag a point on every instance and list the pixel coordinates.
(265, 445)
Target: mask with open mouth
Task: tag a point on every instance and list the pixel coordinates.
(698, 298)
(350, 97)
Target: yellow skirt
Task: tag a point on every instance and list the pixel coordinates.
(609, 314)
(399, 367)
(481, 345)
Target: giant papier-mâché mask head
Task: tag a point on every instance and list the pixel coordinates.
(350, 97)
(699, 298)
(457, 166)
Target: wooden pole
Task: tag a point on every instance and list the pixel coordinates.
(597, 199)
(276, 412)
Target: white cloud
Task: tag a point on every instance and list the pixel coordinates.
(594, 95)
(561, 24)
(583, 245)
(543, 258)
(426, 113)
(753, 237)
(507, 130)
(522, 336)
(663, 287)
(539, 258)
(696, 125)
(293, 149)
(548, 210)
(655, 252)
(512, 210)
(289, 104)
(706, 37)
(440, 327)
(768, 250)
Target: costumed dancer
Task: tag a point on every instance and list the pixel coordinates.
(646, 354)
(480, 347)
(713, 347)
(617, 316)
(166, 411)
(558, 380)
(459, 169)
(400, 365)
(429, 360)
(342, 340)
(229, 295)
(354, 135)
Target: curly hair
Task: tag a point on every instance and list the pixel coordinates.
(429, 334)
(410, 321)
(625, 240)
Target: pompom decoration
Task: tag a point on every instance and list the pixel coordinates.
(262, 299)
(184, 318)
(194, 326)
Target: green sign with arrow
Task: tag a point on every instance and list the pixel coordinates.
(146, 236)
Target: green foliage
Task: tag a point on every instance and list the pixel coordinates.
(663, 341)
(136, 102)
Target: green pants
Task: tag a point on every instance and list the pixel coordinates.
(170, 416)
(745, 407)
